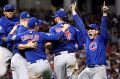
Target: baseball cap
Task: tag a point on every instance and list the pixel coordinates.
(9, 7)
(40, 22)
(60, 13)
(93, 26)
(32, 22)
(24, 14)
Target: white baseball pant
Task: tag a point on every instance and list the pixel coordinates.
(40, 70)
(65, 64)
(19, 67)
(5, 56)
(98, 72)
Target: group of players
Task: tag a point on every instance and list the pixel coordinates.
(26, 46)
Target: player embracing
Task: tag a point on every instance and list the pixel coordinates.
(64, 50)
(95, 39)
(38, 65)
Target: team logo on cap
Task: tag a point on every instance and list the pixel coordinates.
(93, 46)
(28, 15)
(36, 23)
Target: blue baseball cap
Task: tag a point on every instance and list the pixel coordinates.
(9, 7)
(60, 13)
(40, 22)
(32, 22)
(93, 26)
(24, 14)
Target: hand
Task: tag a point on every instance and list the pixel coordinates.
(105, 8)
(73, 6)
(32, 44)
(65, 27)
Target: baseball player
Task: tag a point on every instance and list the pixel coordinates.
(64, 49)
(35, 55)
(9, 19)
(95, 40)
(6, 22)
(19, 69)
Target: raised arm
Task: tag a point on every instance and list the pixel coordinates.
(104, 22)
(57, 36)
(79, 40)
(78, 21)
(11, 36)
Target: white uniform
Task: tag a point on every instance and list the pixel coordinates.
(5, 56)
(65, 64)
(19, 67)
(40, 69)
(98, 72)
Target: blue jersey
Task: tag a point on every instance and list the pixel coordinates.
(39, 53)
(2, 34)
(8, 24)
(80, 40)
(20, 29)
(67, 42)
(95, 49)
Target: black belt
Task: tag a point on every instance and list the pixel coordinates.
(59, 53)
(92, 66)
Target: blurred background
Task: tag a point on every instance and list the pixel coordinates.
(90, 10)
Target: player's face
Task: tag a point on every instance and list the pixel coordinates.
(9, 14)
(24, 21)
(92, 33)
(36, 28)
(57, 19)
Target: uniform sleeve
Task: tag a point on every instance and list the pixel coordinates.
(16, 44)
(49, 36)
(12, 37)
(9, 27)
(80, 25)
(104, 24)
(21, 30)
(79, 38)
(51, 30)
(2, 30)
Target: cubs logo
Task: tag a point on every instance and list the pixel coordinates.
(93, 46)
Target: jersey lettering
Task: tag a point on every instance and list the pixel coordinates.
(27, 37)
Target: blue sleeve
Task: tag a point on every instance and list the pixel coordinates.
(9, 27)
(3, 35)
(21, 30)
(51, 30)
(12, 37)
(104, 24)
(16, 44)
(80, 25)
(79, 40)
(2, 30)
(49, 36)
